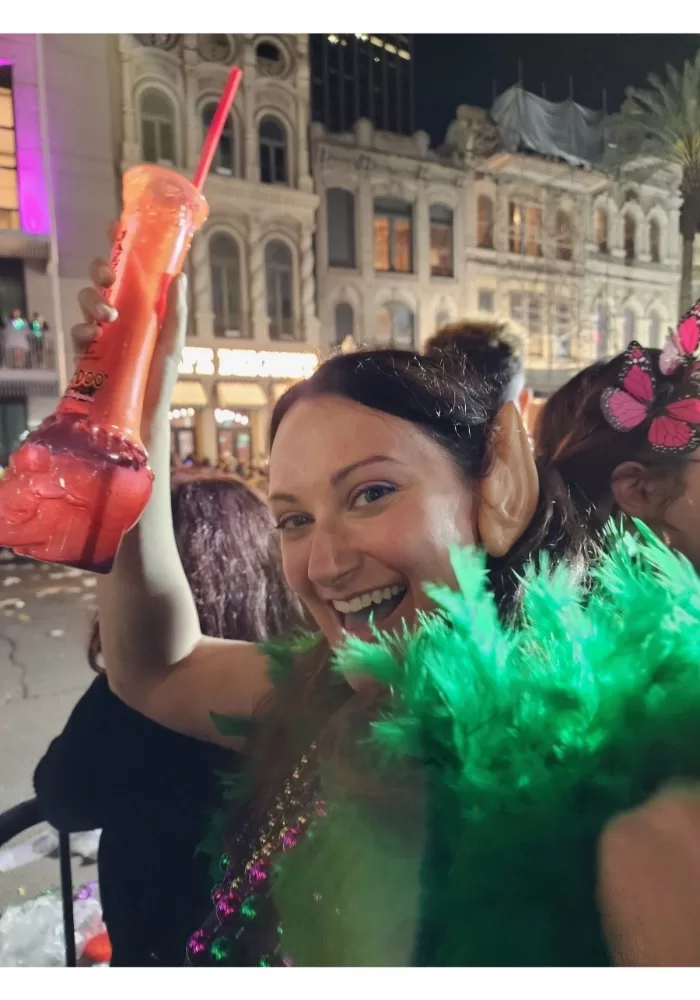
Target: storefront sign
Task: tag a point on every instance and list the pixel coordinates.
(283, 365)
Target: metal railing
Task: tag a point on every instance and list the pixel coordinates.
(38, 354)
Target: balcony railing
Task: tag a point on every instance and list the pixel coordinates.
(30, 354)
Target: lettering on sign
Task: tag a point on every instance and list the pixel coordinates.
(285, 366)
(266, 364)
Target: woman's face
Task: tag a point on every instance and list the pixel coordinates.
(367, 507)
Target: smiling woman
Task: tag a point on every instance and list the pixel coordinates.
(381, 463)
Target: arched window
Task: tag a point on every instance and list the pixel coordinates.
(654, 329)
(344, 322)
(484, 222)
(602, 332)
(224, 157)
(340, 222)
(157, 114)
(278, 271)
(565, 241)
(601, 230)
(629, 326)
(225, 267)
(273, 152)
(394, 326)
(630, 236)
(655, 241)
(441, 241)
(393, 235)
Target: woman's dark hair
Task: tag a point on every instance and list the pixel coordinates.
(574, 440)
(230, 553)
(491, 351)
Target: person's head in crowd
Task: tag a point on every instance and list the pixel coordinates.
(624, 435)
(491, 350)
(221, 523)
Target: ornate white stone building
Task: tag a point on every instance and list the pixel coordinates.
(409, 239)
(252, 267)
(391, 222)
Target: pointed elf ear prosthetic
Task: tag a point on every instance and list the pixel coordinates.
(510, 490)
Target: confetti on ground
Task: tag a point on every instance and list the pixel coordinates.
(48, 591)
(89, 581)
(10, 581)
(23, 618)
(70, 590)
(11, 602)
(66, 574)
(56, 633)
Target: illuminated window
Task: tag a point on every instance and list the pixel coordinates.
(655, 241)
(225, 266)
(344, 322)
(393, 235)
(273, 152)
(484, 222)
(9, 205)
(394, 326)
(278, 270)
(157, 127)
(525, 229)
(601, 230)
(224, 161)
(340, 215)
(564, 236)
(441, 241)
(630, 237)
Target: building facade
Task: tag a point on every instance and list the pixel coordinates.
(410, 239)
(253, 326)
(391, 224)
(57, 192)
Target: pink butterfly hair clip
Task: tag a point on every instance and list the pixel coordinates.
(674, 424)
(682, 345)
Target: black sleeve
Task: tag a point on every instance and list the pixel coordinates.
(111, 766)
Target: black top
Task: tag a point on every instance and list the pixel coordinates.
(152, 792)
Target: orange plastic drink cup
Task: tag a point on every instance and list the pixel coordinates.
(80, 481)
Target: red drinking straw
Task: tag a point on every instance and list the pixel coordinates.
(216, 128)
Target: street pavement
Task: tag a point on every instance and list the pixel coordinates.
(45, 617)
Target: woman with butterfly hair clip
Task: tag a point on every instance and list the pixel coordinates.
(624, 436)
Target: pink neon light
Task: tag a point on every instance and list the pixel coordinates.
(33, 195)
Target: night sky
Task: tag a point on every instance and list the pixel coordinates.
(460, 69)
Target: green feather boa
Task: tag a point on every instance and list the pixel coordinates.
(517, 743)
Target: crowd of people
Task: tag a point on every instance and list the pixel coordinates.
(404, 702)
(24, 341)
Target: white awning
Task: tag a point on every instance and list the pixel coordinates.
(240, 395)
(188, 394)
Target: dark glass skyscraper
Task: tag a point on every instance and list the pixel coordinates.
(363, 76)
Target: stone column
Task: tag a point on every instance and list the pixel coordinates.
(304, 182)
(201, 289)
(258, 290)
(421, 235)
(310, 324)
(251, 156)
(192, 123)
(130, 152)
(365, 229)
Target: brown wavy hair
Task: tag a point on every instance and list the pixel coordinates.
(231, 556)
(574, 442)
